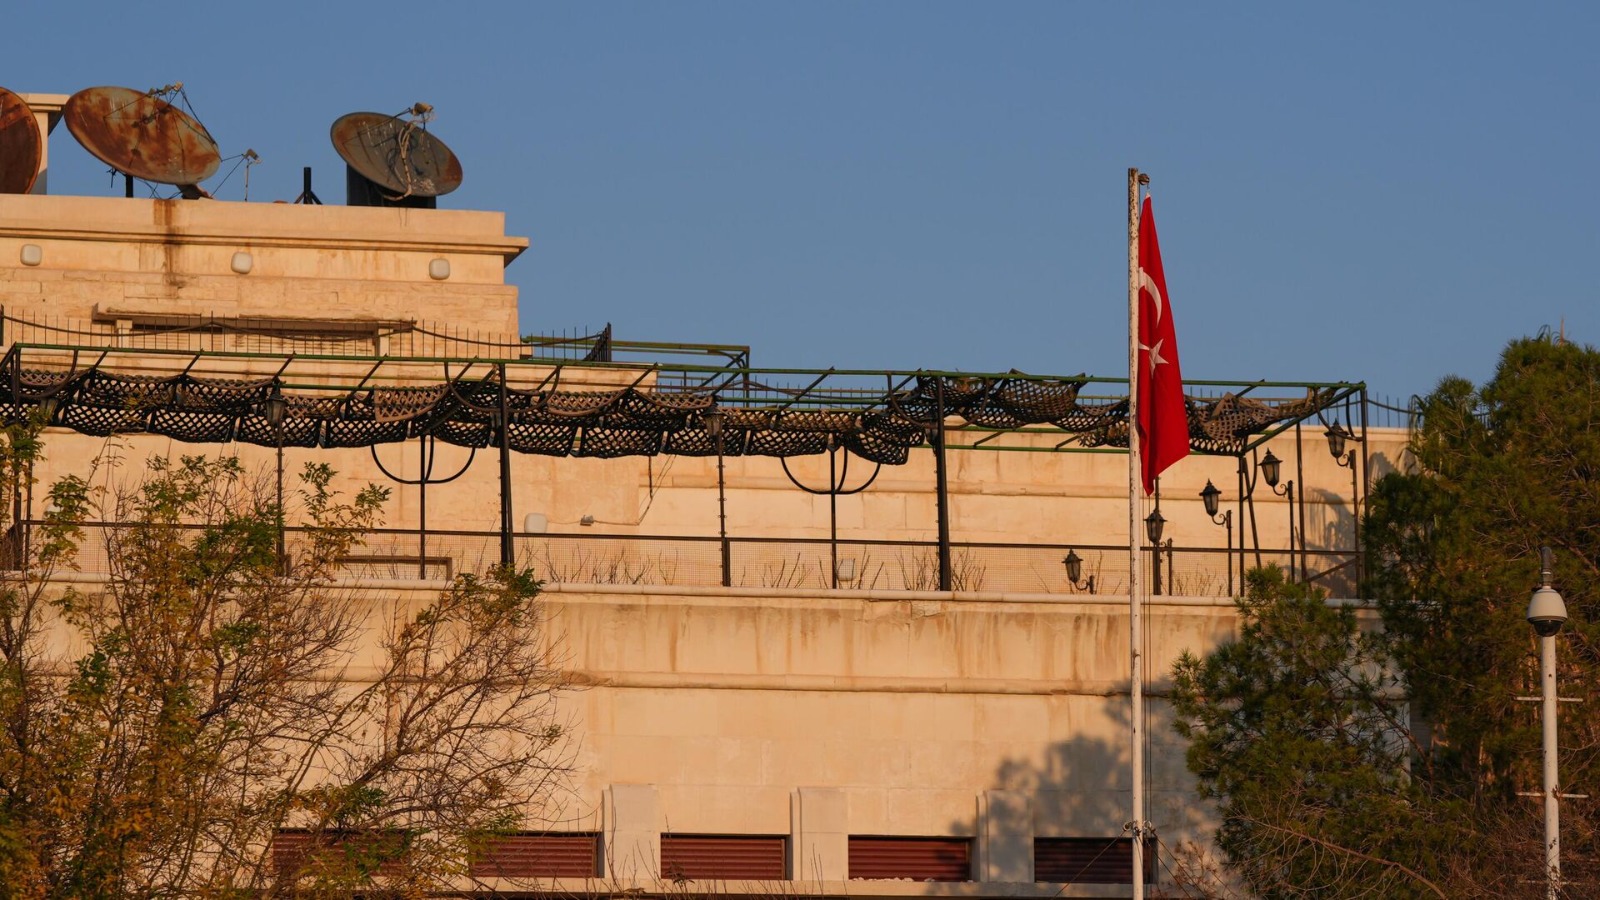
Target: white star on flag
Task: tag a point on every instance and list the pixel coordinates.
(1155, 355)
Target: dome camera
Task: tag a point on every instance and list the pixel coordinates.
(1547, 612)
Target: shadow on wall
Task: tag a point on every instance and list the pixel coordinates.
(1060, 818)
(1331, 525)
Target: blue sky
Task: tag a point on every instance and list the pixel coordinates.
(1361, 191)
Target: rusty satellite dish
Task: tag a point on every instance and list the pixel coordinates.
(21, 145)
(394, 161)
(139, 133)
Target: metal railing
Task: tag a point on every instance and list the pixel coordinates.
(783, 563)
(402, 339)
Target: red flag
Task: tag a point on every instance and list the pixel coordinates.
(1163, 415)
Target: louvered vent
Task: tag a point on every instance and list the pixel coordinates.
(1082, 860)
(738, 856)
(916, 858)
(539, 856)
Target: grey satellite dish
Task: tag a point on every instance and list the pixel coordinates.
(139, 133)
(21, 145)
(393, 161)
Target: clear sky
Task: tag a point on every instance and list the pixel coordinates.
(1373, 191)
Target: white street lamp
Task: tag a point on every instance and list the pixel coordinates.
(1547, 612)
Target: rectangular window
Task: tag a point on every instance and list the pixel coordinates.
(749, 857)
(916, 858)
(1086, 860)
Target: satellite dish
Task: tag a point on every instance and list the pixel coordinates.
(21, 145)
(397, 162)
(139, 133)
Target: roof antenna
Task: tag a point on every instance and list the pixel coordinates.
(306, 195)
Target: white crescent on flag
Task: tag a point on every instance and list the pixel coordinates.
(1146, 283)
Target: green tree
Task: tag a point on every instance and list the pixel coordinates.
(161, 728)
(1399, 762)
(1298, 731)
(1500, 470)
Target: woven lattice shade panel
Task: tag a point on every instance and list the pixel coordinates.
(546, 415)
(610, 443)
(194, 427)
(547, 440)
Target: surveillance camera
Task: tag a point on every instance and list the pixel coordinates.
(1547, 612)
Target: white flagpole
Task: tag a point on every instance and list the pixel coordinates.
(1135, 484)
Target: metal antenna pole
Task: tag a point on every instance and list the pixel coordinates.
(1552, 777)
(1135, 626)
(1552, 786)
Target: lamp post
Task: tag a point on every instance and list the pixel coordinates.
(274, 409)
(713, 419)
(1210, 496)
(1270, 470)
(1547, 612)
(1154, 524)
(1074, 564)
(1337, 436)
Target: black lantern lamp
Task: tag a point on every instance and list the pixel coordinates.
(274, 409)
(1211, 497)
(1271, 468)
(1074, 564)
(1336, 436)
(712, 420)
(1154, 525)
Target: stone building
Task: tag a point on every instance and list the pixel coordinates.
(886, 688)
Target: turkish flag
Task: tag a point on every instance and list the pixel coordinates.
(1163, 419)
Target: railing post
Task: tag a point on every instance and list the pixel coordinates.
(424, 469)
(1300, 475)
(1359, 489)
(941, 485)
(833, 515)
(507, 548)
(722, 518)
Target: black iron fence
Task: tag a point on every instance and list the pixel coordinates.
(792, 563)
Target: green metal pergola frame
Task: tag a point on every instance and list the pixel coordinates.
(612, 409)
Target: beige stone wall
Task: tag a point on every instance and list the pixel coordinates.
(997, 717)
(105, 258)
(137, 256)
(910, 706)
(1058, 500)
(997, 712)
